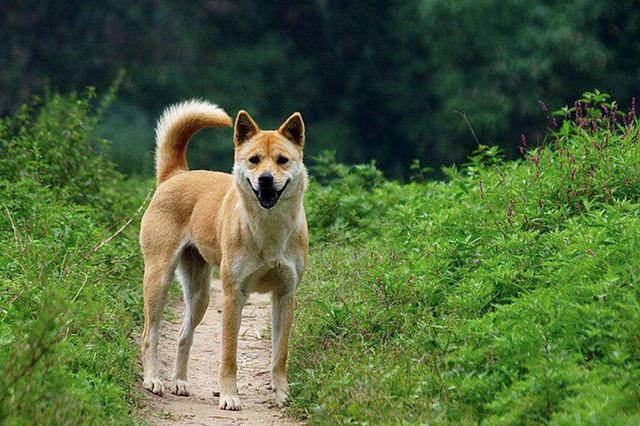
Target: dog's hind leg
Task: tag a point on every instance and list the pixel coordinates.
(158, 275)
(195, 276)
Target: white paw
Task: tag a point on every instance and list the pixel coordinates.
(280, 387)
(154, 385)
(281, 397)
(230, 402)
(180, 387)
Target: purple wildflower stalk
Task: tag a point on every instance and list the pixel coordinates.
(523, 144)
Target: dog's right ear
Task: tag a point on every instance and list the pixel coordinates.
(245, 128)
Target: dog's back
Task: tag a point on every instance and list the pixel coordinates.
(179, 190)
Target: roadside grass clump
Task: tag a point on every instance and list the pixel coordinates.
(68, 303)
(509, 294)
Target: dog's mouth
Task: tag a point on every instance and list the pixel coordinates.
(268, 196)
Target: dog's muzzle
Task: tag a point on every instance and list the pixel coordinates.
(266, 193)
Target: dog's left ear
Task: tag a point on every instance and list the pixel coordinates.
(293, 129)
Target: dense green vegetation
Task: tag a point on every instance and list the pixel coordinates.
(364, 74)
(509, 294)
(69, 299)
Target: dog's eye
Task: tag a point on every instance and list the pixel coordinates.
(254, 160)
(282, 160)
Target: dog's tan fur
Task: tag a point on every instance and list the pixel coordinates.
(201, 219)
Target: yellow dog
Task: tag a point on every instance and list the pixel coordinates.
(250, 224)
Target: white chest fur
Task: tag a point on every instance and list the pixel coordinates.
(269, 244)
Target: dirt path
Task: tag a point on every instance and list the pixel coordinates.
(254, 354)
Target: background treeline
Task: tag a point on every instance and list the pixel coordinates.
(387, 80)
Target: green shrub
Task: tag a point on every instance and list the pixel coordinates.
(67, 310)
(506, 295)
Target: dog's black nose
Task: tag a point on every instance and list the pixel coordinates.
(265, 178)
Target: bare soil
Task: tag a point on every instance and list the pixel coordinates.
(254, 354)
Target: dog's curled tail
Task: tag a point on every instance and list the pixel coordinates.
(174, 129)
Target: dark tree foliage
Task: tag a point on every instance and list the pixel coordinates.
(387, 80)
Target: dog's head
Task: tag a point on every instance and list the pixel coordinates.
(268, 163)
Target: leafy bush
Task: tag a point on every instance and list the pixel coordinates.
(67, 303)
(506, 295)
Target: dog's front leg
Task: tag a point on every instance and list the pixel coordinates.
(233, 301)
(282, 307)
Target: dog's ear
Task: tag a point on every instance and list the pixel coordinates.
(245, 128)
(293, 129)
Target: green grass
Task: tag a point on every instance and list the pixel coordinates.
(507, 295)
(67, 310)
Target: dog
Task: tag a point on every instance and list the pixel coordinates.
(250, 225)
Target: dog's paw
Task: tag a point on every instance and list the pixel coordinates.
(154, 385)
(180, 387)
(280, 388)
(230, 402)
(281, 397)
